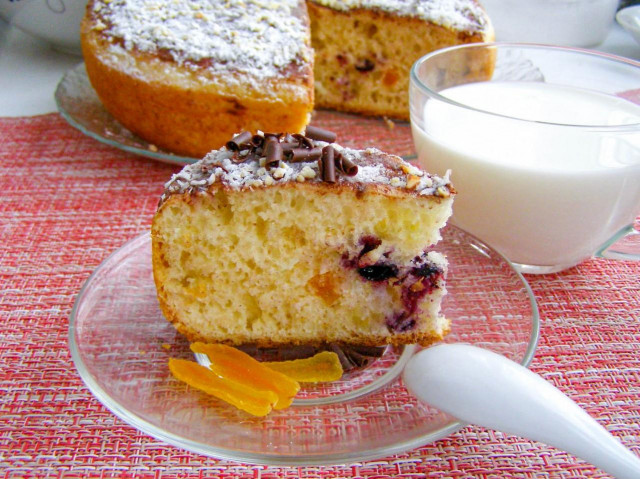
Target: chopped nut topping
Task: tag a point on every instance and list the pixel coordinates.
(442, 191)
(278, 173)
(411, 170)
(412, 182)
(308, 172)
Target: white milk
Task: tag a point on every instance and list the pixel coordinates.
(542, 194)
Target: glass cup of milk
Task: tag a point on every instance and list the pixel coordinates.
(543, 144)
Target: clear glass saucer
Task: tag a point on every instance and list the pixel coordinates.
(120, 343)
(79, 105)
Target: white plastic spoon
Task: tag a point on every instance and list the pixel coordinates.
(484, 388)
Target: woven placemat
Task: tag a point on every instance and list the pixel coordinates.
(69, 201)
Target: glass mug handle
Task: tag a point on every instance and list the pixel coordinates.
(624, 245)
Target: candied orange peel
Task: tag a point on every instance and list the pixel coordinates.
(322, 367)
(248, 384)
(237, 366)
(251, 400)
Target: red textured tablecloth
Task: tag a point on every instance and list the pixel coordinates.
(68, 202)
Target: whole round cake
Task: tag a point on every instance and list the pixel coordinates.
(186, 75)
(288, 239)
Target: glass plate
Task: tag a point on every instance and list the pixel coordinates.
(79, 104)
(120, 343)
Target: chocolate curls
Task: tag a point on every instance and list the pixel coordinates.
(304, 154)
(320, 134)
(257, 141)
(327, 165)
(304, 141)
(276, 147)
(353, 357)
(240, 142)
(333, 160)
(345, 166)
(272, 152)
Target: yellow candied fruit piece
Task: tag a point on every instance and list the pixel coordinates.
(326, 286)
(251, 400)
(234, 365)
(322, 367)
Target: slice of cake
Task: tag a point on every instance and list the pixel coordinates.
(364, 49)
(290, 239)
(186, 75)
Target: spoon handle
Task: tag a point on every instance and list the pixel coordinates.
(484, 388)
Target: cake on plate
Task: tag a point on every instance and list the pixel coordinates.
(187, 75)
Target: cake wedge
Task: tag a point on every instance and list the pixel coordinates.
(292, 239)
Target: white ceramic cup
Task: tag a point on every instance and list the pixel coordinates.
(577, 23)
(544, 147)
(54, 21)
(629, 19)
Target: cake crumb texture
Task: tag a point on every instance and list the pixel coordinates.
(364, 50)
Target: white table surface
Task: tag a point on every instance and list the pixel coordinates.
(30, 69)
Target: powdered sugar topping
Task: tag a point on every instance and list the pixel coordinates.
(258, 37)
(465, 15)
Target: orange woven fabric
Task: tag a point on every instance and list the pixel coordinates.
(69, 201)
